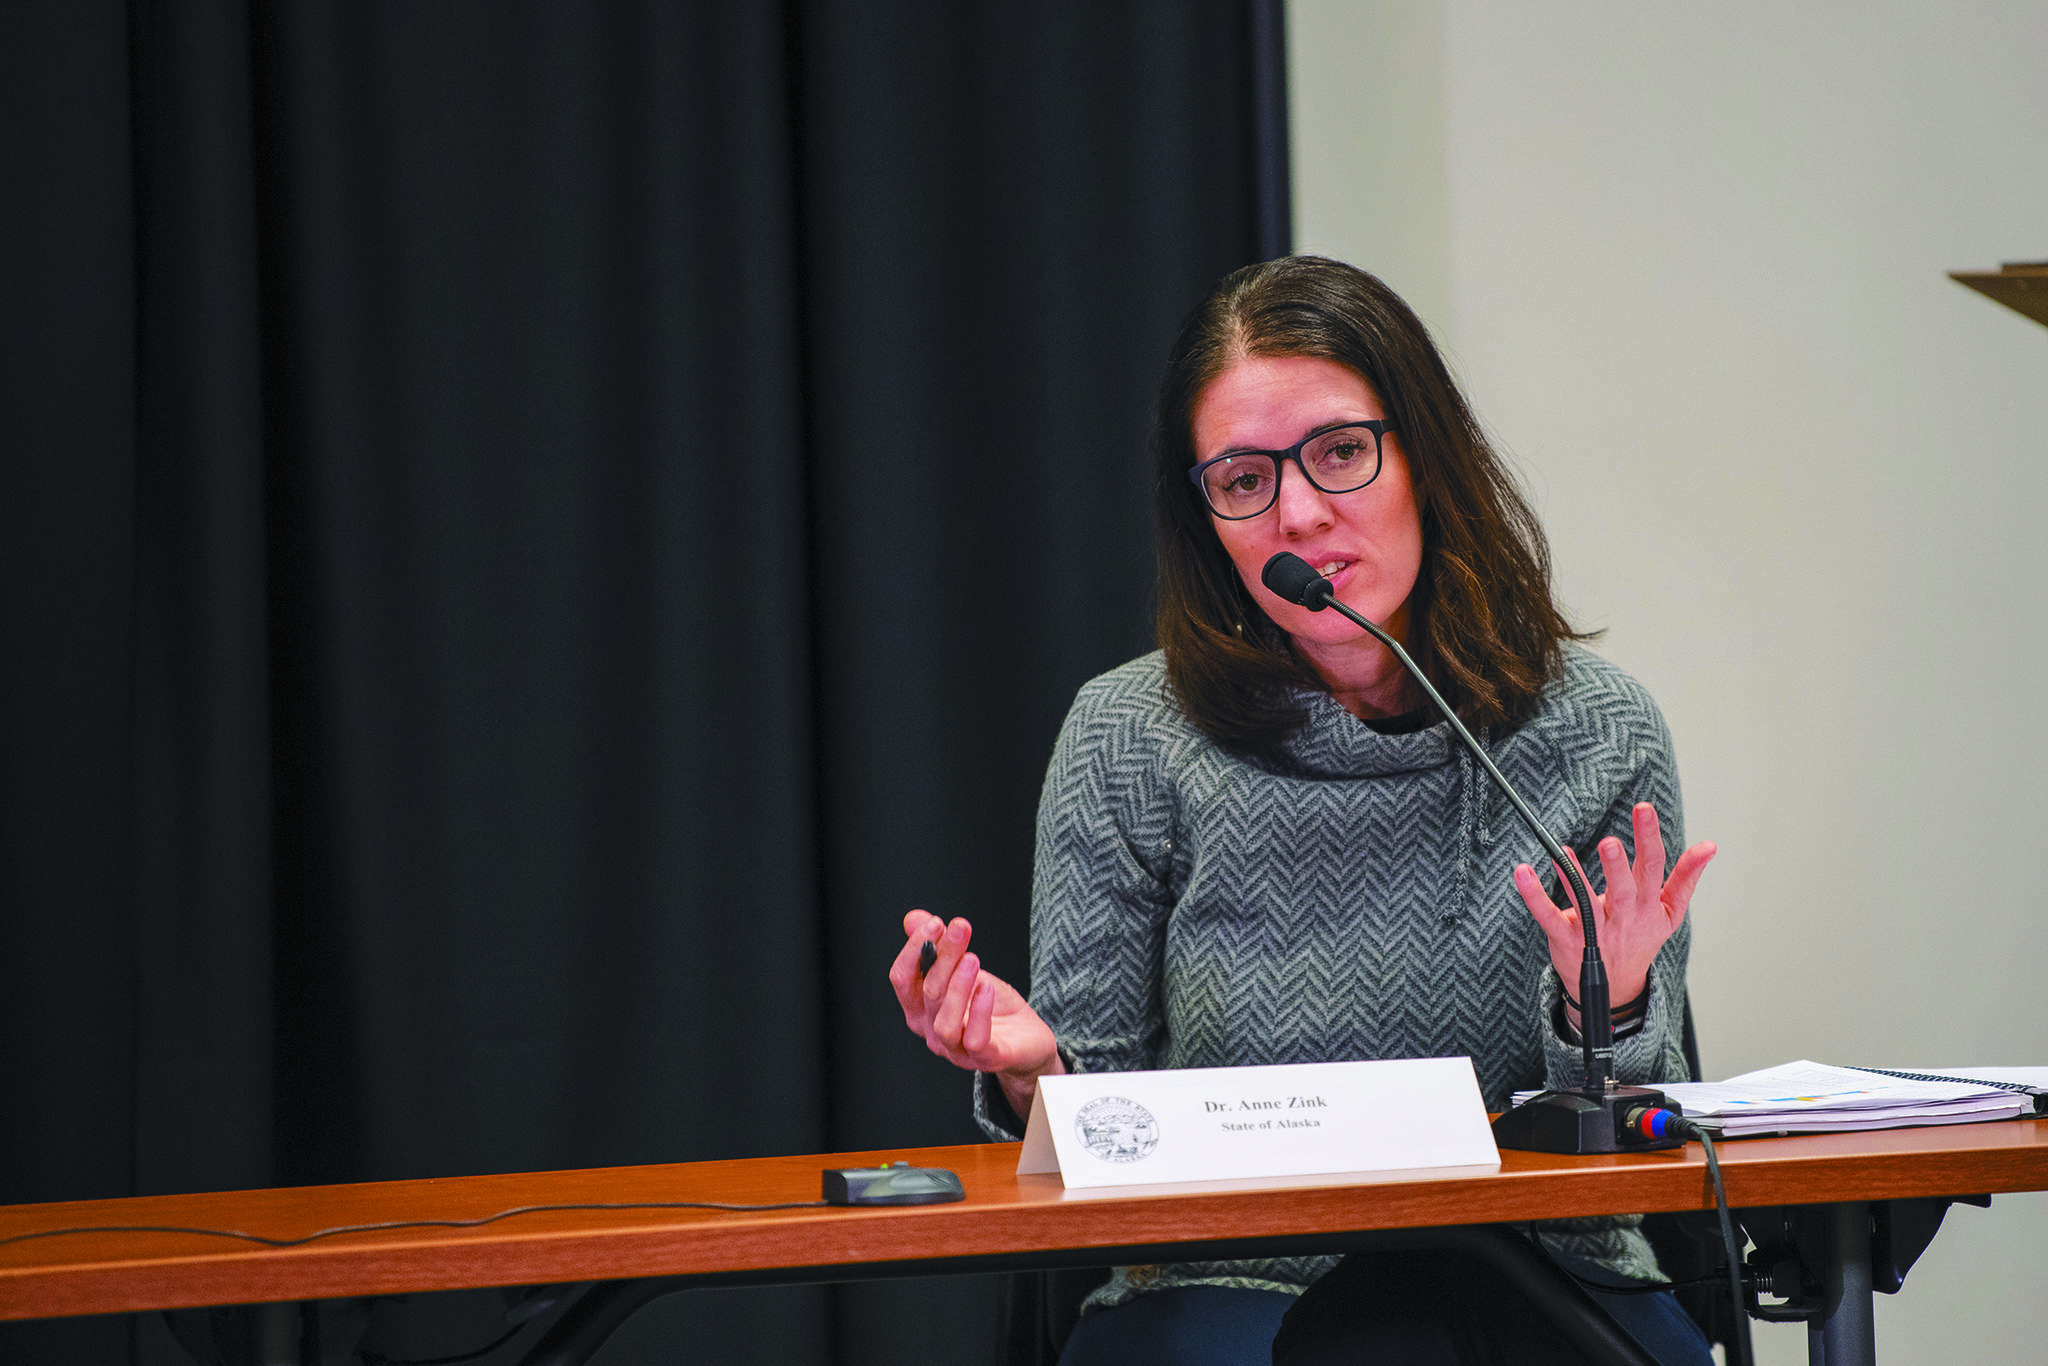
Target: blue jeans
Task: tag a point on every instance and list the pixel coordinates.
(1195, 1325)
(1425, 1309)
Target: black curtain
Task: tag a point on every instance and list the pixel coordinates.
(530, 534)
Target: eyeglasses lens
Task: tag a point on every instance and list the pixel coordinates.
(1241, 486)
(1343, 460)
(1338, 461)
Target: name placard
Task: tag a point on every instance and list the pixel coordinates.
(1231, 1123)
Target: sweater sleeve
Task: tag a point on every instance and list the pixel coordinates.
(1100, 899)
(1636, 765)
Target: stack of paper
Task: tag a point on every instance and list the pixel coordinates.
(1813, 1097)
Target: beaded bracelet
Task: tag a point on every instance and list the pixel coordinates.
(1616, 1013)
(1625, 1027)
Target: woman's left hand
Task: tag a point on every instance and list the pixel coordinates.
(1640, 909)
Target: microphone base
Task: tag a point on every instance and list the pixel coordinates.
(1580, 1122)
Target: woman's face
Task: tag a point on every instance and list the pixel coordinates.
(1367, 543)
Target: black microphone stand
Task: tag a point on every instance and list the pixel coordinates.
(1593, 1118)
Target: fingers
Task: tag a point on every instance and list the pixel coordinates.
(917, 992)
(953, 1005)
(964, 1030)
(1649, 850)
(914, 921)
(1637, 912)
(981, 1013)
(1621, 883)
(950, 1016)
(1561, 926)
(1571, 895)
(919, 928)
(951, 944)
(1685, 879)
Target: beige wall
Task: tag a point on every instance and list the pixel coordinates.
(1689, 263)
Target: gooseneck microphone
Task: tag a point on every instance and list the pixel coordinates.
(1593, 1119)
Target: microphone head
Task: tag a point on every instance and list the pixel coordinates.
(1289, 576)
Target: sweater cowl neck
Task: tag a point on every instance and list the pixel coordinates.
(1332, 743)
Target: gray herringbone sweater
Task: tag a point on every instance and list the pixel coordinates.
(1194, 909)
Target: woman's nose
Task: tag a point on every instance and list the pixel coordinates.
(1303, 508)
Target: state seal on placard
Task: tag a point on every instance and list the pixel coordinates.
(1116, 1129)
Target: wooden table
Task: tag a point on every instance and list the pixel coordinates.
(1007, 1221)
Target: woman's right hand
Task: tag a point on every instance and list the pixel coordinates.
(969, 1017)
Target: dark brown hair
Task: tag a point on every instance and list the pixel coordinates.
(1483, 624)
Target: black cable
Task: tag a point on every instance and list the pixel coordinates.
(1727, 1238)
(1686, 1128)
(409, 1223)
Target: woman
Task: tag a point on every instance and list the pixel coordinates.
(1258, 845)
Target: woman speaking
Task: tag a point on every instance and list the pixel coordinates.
(1258, 845)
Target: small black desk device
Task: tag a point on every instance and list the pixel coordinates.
(899, 1183)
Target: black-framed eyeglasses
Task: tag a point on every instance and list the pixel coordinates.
(1341, 459)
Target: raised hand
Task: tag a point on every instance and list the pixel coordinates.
(969, 1017)
(1640, 909)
